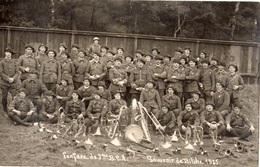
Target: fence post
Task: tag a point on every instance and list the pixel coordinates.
(8, 36)
(135, 44)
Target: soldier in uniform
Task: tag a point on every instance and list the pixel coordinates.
(27, 62)
(96, 111)
(138, 78)
(50, 73)
(21, 110)
(151, 100)
(41, 55)
(221, 99)
(103, 50)
(238, 125)
(50, 108)
(201, 57)
(183, 63)
(74, 52)
(178, 53)
(96, 70)
(67, 68)
(35, 89)
(63, 93)
(213, 64)
(118, 77)
(94, 47)
(158, 74)
(168, 120)
(80, 66)
(167, 60)
(138, 55)
(148, 62)
(120, 53)
(9, 73)
(155, 52)
(108, 61)
(61, 49)
(207, 81)
(197, 103)
(86, 91)
(176, 77)
(187, 54)
(192, 74)
(221, 74)
(171, 101)
(210, 116)
(104, 93)
(75, 108)
(235, 83)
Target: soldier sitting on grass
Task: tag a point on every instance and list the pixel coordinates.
(50, 108)
(168, 120)
(238, 125)
(22, 110)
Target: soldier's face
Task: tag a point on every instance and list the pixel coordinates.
(64, 56)
(61, 48)
(182, 61)
(157, 62)
(8, 55)
(101, 88)
(103, 50)
(148, 58)
(177, 54)
(86, 83)
(51, 55)
(209, 107)
(117, 96)
(195, 95)
(205, 65)
(63, 82)
(232, 69)
(140, 64)
(138, 55)
(219, 86)
(81, 55)
(74, 49)
(236, 110)
(96, 96)
(95, 41)
(186, 51)
(96, 57)
(29, 50)
(170, 91)
(213, 62)
(188, 107)
(166, 60)
(221, 68)
(75, 96)
(118, 63)
(202, 55)
(164, 110)
(149, 85)
(42, 49)
(154, 52)
(128, 59)
(120, 51)
(22, 95)
(33, 76)
(176, 65)
(192, 64)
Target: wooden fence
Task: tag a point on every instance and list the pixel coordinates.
(245, 54)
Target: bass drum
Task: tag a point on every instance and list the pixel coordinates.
(134, 133)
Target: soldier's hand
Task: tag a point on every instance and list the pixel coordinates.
(17, 112)
(208, 124)
(251, 129)
(211, 93)
(80, 116)
(11, 80)
(97, 76)
(27, 69)
(228, 127)
(50, 116)
(235, 87)
(183, 128)
(92, 77)
(30, 112)
(58, 97)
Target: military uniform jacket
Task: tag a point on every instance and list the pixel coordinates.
(50, 107)
(115, 105)
(50, 72)
(106, 94)
(207, 78)
(172, 102)
(116, 75)
(96, 106)
(86, 92)
(213, 67)
(67, 70)
(188, 117)
(96, 68)
(211, 116)
(41, 57)
(162, 75)
(139, 77)
(238, 120)
(74, 108)
(24, 105)
(8, 69)
(191, 79)
(221, 100)
(64, 91)
(94, 48)
(176, 78)
(35, 88)
(150, 98)
(167, 119)
(198, 105)
(80, 70)
(233, 80)
(27, 61)
(221, 77)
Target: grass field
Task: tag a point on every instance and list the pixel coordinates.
(26, 146)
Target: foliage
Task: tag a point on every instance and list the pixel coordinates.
(192, 19)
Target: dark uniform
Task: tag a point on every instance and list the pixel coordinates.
(25, 61)
(63, 94)
(86, 93)
(80, 72)
(222, 102)
(197, 105)
(173, 103)
(67, 71)
(8, 70)
(96, 68)
(191, 79)
(49, 107)
(169, 121)
(73, 109)
(207, 83)
(158, 74)
(118, 79)
(188, 118)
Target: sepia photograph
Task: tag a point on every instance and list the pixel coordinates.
(123, 83)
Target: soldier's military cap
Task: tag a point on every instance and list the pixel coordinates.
(214, 59)
(187, 48)
(30, 46)
(204, 61)
(196, 92)
(95, 38)
(102, 83)
(210, 103)
(121, 48)
(83, 51)
(49, 93)
(23, 90)
(51, 50)
(179, 49)
(176, 61)
(111, 51)
(105, 47)
(75, 46)
(233, 65)
(221, 63)
(139, 51)
(10, 50)
(44, 46)
(63, 45)
(118, 59)
(33, 71)
(155, 48)
(168, 55)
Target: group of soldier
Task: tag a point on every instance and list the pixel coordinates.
(181, 89)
